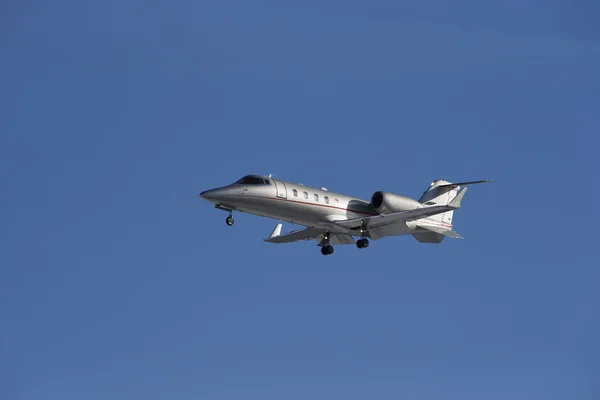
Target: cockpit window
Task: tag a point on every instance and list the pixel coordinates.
(253, 180)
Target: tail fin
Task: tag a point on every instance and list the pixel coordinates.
(440, 193)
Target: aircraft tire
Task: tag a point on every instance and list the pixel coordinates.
(229, 220)
(362, 243)
(327, 250)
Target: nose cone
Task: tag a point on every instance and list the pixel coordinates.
(222, 195)
(218, 195)
(209, 195)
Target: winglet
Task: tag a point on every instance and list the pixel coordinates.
(276, 232)
(456, 202)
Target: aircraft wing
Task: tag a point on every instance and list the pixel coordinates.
(308, 234)
(401, 216)
(294, 236)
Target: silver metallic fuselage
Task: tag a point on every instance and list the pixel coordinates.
(333, 218)
(293, 203)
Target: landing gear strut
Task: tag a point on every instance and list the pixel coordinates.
(327, 250)
(229, 220)
(362, 243)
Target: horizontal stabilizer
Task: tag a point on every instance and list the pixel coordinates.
(446, 232)
(457, 184)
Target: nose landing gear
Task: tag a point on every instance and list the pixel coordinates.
(229, 220)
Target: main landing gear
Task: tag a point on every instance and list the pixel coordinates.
(229, 220)
(327, 250)
(362, 243)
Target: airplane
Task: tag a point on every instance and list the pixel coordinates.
(336, 219)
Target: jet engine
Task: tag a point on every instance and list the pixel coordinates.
(384, 202)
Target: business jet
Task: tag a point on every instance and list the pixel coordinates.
(335, 219)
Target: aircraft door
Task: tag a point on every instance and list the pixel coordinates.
(281, 189)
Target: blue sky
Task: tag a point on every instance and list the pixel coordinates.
(117, 281)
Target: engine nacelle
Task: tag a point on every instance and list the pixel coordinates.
(384, 202)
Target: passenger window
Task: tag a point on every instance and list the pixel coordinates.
(295, 192)
(326, 199)
(306, 195)
(316, 197)
(337, 201)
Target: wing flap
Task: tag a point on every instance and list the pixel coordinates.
(341, 238)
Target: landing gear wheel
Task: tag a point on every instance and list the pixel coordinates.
(229, 220)
(362, 243)
(327, 250)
